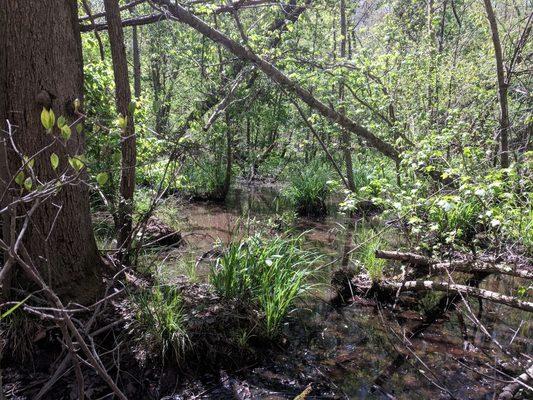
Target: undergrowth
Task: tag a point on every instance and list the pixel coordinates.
(269, 272)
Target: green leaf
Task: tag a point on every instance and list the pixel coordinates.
(122, 121)
(79, 128)
(19, 179)
(132, 107)
(14, 307)
(28, 183)
(45, 116)
(66, 132)
(76, 163)
(51, 119)
(102, 178)
(54, 161)
(61, 121)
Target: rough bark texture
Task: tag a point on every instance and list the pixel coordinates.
(123, 100)
(181, 14)
(40, 53)
(136, 62)
(502, 85)
(345, 136)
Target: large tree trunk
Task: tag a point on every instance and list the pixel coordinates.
(123, 101)
(41, 66)
(502, 85)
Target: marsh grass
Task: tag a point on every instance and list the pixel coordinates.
(367, 258)
(309, 189)
(269, 272)
(161, 317)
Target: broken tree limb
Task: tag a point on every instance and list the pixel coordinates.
(468, 266)
(177, 12)
(468, 290)
(523, 380)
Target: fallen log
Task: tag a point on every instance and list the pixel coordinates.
(510, 301)
(468, 266)
(523, 381)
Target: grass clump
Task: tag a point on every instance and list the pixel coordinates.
(309, 189)
(271, 273)
(161, 317)
(367, 258)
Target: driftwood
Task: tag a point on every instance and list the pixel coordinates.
(509, 391)
(462, 289)
(468, 266)
(157, 233)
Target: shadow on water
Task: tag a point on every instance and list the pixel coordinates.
(361, 350)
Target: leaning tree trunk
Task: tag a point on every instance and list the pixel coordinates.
(123, 101)
(41, 66)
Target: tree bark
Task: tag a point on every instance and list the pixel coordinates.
(136, 62)
(502, 85)
(41, 66)
(345, 135)
(181, 14)
(128, 149)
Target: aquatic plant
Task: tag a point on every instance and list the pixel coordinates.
(161, 318)
(367, 258)
(309, 189)
(272, 273)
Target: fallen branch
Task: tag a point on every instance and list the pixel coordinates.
(468, 290)
(523, 380)
(468, 266)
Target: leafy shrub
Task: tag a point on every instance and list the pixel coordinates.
(272, 273)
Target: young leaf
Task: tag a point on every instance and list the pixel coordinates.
(122, 121)
(19, 179)
(66, 132)
(61, 121)
(28, 183)
(76, 163)
(102, 178)
(54, 161)
(45, 119)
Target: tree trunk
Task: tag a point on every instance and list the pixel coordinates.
(41, 66)
(502, 86)
(123, 100)
(345, 135)
(136, 63)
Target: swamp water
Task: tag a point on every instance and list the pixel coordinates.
(356, 351)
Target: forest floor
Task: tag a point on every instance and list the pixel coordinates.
(331, 350)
